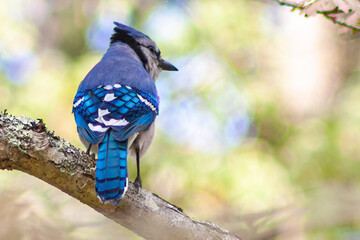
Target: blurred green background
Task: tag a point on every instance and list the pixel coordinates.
(258, 132)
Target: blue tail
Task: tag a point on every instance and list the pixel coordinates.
(111, 168)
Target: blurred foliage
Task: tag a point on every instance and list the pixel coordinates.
(257, 132)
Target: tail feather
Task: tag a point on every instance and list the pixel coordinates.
(111, 169)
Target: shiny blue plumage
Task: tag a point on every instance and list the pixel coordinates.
(125, 104)
(113, 103)
(119, 65)
(111, 168)
(118, 101)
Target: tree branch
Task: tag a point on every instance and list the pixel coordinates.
(25, 145)
(343, 13)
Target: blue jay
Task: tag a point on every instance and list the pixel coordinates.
(115, 108)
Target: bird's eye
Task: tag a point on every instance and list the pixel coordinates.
(152, 49)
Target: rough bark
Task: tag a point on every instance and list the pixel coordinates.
(27, 146)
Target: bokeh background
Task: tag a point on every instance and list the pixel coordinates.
(258, 132)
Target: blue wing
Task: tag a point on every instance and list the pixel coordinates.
(124, 109)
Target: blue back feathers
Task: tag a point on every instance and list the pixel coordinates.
(109, 115)
(115, 100)
(121, 65)
(120, 108)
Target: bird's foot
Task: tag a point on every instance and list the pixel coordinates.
(93, 155)
(137, 182)
(88, 149)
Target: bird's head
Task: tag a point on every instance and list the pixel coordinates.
(144, 47)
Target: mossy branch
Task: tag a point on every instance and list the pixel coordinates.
(27, 146)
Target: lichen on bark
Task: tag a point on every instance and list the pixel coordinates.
(26, 145)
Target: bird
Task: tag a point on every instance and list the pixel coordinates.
(115, 108)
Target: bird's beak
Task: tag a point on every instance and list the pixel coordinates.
(167, 66)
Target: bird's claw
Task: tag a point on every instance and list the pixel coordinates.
(137, 182)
